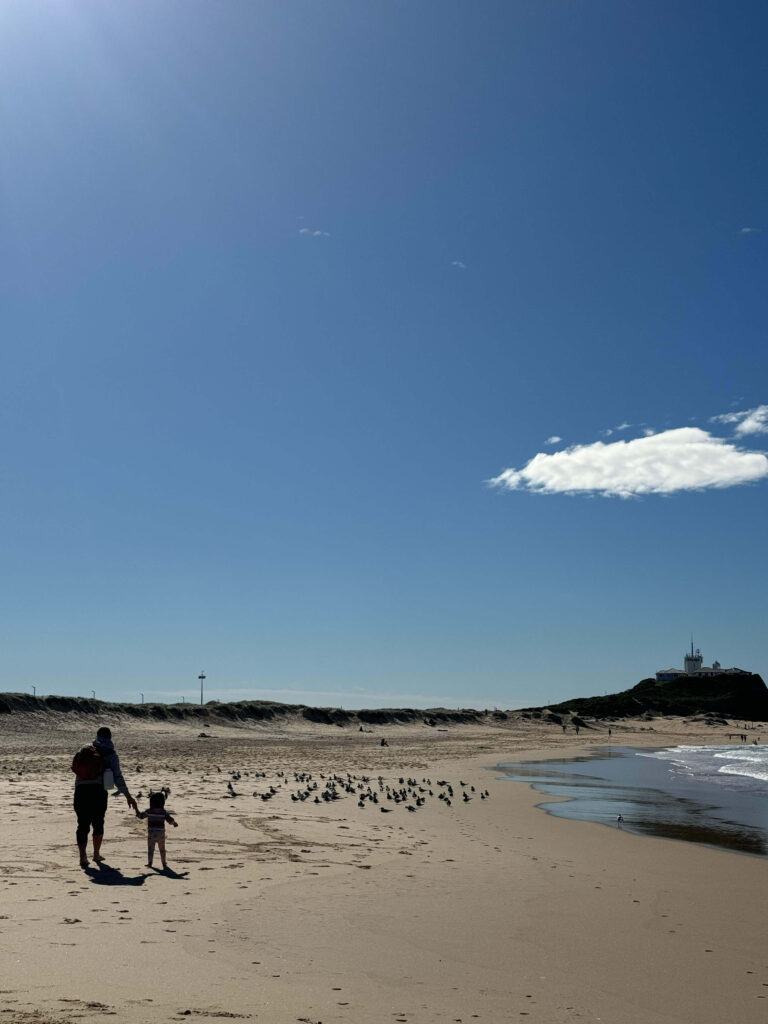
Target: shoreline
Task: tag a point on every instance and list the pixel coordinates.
(486, 910)
(619, 787)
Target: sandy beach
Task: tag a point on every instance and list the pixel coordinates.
(284, 910)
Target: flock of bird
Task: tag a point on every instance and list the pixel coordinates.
(409, 792)
(165, 790)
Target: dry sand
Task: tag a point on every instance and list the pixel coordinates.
(282, 911)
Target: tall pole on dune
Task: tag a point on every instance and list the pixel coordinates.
(201, 677)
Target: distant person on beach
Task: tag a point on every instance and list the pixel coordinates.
(90, 766)
(156, 816)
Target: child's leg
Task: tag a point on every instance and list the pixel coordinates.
(150, 850)
(161, 848)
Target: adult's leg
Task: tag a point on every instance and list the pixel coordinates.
(83, 812)
(99, 809)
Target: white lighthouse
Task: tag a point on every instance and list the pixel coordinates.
(692, 662)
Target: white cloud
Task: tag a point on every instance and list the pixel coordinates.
(750, 421)
(755, 422)
(623, 426)
(459, 264)
(314, 234)
(553, 440)
(750, 231)
(682, 459)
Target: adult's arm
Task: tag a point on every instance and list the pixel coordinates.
(113, 762)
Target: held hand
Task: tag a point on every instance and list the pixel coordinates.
(132, 803)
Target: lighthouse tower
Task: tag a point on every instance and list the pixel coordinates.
(692, 662)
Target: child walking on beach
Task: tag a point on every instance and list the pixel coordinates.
(156, 816)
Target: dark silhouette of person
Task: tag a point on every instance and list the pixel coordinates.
(91, 797)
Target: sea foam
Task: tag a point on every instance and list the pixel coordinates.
(724, 764)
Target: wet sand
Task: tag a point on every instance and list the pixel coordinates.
(285, 910)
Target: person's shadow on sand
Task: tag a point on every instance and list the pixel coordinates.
(105, 875)
(170, 873)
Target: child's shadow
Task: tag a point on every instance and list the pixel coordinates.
(105, 875)
(170, 873)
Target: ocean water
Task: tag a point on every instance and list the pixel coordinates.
(715, 795)
(742, 766)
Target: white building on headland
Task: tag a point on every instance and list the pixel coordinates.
(694, 669)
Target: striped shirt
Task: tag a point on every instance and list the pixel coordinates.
(156, 818)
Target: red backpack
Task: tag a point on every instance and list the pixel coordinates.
(87, 763)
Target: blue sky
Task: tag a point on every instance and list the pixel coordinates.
(286, 285)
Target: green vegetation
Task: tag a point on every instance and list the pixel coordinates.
(729, 696)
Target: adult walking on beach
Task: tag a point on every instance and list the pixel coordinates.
(90, 766)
